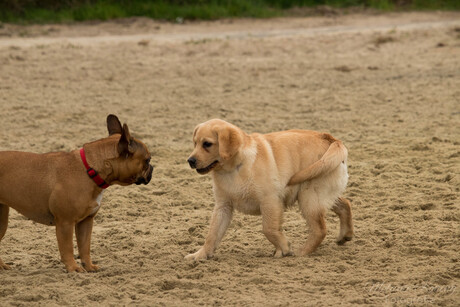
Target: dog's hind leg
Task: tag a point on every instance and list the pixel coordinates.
(342, 208)
(4, 210)
(314, 213)
(272, 218)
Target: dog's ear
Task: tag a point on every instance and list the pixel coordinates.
(230, 140)
(126, 144)
(113, 125)
(195, 131)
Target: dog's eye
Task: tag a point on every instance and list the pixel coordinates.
(207, 144)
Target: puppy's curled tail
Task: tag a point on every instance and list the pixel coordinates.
(336, 153)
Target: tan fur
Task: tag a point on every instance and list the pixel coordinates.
(262, 174)
(335, 154)
(54, 188)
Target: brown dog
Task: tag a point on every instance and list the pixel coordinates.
(59, 188)
(262, 174)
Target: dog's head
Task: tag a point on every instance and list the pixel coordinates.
(132, 163)
(216, 144)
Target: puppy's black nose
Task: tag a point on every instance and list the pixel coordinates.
(192, 162)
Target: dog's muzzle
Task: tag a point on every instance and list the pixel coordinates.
(207, 168)
(145, 180)
(192, 162)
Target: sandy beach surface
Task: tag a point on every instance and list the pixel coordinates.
(387, 85)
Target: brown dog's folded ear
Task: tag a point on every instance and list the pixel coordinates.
(125, 145)
(113, 125)
(230, 140)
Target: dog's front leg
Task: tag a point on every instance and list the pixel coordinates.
(83, 232)
(221, 217)
(4, 210)
(64, 234)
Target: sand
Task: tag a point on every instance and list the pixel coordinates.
(388, 85)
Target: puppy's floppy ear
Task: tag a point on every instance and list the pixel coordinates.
(126, 144)
(113, 125)
(194, 132)
(230, 140)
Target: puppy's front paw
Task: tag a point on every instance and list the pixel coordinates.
(278, 253)
(199, 255)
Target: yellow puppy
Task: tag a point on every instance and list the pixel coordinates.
(262, 174)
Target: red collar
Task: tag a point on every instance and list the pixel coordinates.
(92, 173)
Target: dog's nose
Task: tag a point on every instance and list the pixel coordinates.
(149, 176)
(192, 162)
(145, 180)
(141, 180)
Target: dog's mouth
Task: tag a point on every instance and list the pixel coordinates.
(145, 180)
(207, 169)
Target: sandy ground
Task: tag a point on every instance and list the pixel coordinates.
(387, 85)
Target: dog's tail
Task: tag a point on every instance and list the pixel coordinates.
(336, 153)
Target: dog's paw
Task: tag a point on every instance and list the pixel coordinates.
(91, 267)
(75, 268)
(279, 253)
(4, 266)
(300, 252)
(199, 255)
(342, 241)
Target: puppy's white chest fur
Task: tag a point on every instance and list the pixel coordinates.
(239, 192)
(239, 187)
(98, 200)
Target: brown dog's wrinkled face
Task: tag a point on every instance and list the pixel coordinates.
(132, 166)
(216, 142)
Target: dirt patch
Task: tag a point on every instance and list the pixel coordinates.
(395, 104)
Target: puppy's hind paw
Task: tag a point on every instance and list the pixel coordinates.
(344, 239)
(199, 255)
(279, 253)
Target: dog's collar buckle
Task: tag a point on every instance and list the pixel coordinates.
(92, 172)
